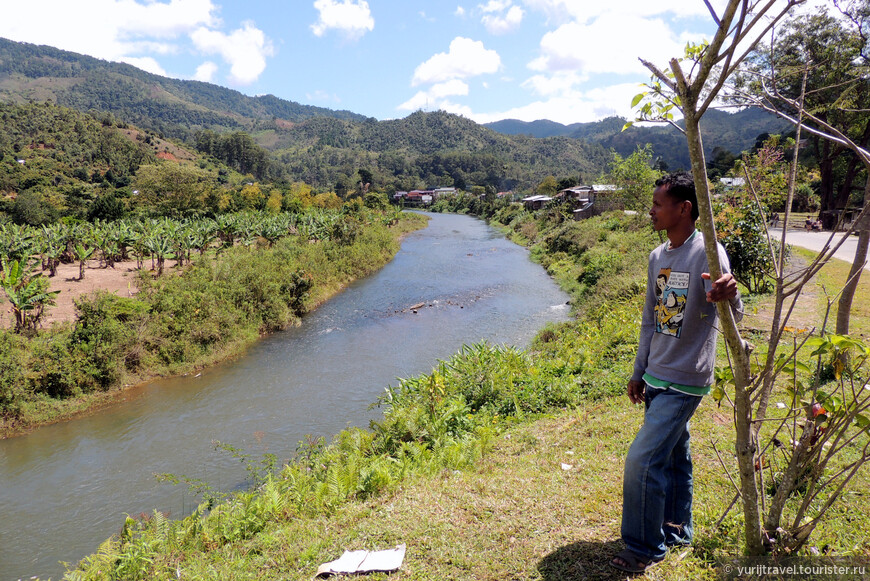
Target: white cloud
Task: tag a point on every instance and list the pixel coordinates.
(145, 63)
(205, 72)
(495, 6)
(165, 19)
(135, 31)
(450, 88)
(502, 23)
(245, 49)
(351, 17)
(108, 29)
(558, 83)
(460, 11)
(466, 58)
(436, 96)
(572, 106)
(562, 11)
(580, 54)
(590, 48)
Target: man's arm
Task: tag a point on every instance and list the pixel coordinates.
(636, 385)
(635, 390)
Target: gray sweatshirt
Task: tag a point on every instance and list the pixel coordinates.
(678, 332)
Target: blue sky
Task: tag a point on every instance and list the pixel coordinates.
(564, 60)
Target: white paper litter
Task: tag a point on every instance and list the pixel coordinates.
(364, 562)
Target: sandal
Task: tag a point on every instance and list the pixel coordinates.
(633, 563)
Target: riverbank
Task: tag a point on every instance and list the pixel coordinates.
(499, 464)
(177, 324)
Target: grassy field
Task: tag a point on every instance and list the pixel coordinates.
(829, 282)
(544, 503)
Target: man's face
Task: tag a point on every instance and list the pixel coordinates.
(667, 211)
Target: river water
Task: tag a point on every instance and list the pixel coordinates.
(66, 488)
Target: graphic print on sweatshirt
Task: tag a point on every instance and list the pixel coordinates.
(671, 291)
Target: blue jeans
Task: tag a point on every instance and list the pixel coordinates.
(657, 489)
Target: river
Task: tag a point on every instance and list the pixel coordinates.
(65, 488)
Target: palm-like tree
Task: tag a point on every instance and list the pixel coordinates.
(52, 247)
(159, 244)
(203, 234)
(82, 251)
(16, 242)
(27, 291)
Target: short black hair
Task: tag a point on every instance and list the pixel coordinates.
(681, 186)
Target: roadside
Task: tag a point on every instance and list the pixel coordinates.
(816, 241)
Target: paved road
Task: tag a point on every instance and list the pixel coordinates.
(816, 240)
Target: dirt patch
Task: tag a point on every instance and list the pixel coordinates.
(120, 280)
(162, 148)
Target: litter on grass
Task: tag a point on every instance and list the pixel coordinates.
(354, 562)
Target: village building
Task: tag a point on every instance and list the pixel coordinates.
(535, 202)
(732, 182)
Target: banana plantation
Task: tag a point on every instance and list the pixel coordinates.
(30, 254)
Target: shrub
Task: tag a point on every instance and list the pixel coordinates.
(13, 391)
(742, 232)
(574, 238)
(52, 372)
(106, 339)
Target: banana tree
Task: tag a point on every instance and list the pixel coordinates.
(82, 251)
(159, 244)
(203, 234)
(53, 245)
(27, 292)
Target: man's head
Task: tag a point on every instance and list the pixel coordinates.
(680, 185)
(674, 201)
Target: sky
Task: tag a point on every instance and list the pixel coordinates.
(568, 61)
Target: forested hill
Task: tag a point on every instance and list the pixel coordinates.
(172, 107)
(733, 132)
(277, 140)
(429, 149)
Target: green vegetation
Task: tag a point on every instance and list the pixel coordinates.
(27, 292)
(273, 188)
(167, 106)
(442, 421)
(725, 133)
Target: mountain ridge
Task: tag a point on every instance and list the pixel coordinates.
(326, 148)
(124, 90)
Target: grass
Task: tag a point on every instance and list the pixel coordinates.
(830, 281)
(516, 514)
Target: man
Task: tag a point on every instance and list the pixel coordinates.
(672, 371)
